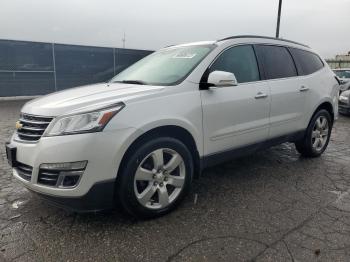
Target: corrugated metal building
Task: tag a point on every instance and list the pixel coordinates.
(33, 68)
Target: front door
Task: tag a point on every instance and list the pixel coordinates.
(236, 116)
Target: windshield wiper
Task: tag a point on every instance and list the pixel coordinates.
(135, 82)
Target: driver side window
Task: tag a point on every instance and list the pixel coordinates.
(239, 60)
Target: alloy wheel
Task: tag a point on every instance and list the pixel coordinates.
(320, 133)
(159, 178)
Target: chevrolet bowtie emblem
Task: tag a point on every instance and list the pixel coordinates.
(18, 125)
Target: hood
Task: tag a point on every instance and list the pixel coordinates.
(96, 95)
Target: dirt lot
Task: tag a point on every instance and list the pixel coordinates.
(270, 206)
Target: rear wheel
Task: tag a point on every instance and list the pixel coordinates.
(317, 135)
(155, 178)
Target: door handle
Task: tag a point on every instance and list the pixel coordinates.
(303, 88)
(260, 95)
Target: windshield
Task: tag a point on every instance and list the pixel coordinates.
(168, 66)
(342, 73)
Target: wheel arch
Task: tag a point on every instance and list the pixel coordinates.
(173, 131)
(326, 105)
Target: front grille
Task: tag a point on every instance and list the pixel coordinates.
(33, 127)
(24, 171)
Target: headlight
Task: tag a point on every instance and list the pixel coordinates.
(87, 122)
(345, 96)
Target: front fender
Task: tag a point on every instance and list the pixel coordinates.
(183, 123)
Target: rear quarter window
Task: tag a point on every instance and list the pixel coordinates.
(306, 62)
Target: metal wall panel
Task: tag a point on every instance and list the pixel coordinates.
(78, 65)
(26, 83)
(31, 68)
(25, 56)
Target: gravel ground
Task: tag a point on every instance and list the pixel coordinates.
(270, 206)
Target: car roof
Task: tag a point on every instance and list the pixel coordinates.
(271, 39)
(246, 38)
(239, 37)
(191, 44)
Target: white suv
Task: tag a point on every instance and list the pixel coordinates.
(142, 137)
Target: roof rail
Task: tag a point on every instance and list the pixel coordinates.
(263, 37)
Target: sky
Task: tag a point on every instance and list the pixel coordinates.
(152, 24)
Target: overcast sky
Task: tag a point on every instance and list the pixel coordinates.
(151, 24)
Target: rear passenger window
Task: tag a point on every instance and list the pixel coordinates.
(307, 62)
(239, 60)
(277, 61)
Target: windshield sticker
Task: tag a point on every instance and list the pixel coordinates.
(185, 54)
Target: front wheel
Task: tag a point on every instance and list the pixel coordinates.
(155, 178)
(317, 135)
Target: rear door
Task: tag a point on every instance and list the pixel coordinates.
(314, 80)
(286, 90)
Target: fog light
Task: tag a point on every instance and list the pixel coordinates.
(65, 166)
(62, 175)
(70, 180)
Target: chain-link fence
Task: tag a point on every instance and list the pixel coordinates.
(32, 68)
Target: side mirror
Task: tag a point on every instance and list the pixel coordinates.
(222, 79)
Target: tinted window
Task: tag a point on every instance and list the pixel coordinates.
(307, 62)
(239, 60)
(277, 60)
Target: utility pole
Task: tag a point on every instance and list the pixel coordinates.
(124, 40)
(278, 19)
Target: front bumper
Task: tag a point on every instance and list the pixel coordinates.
(103, 151)
(99, 197)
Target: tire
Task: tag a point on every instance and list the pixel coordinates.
(308, 146)
(147, 188)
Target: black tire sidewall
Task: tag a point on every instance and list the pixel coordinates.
(125, 183)
(308, 138)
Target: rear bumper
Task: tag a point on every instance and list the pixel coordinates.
(99, 197)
